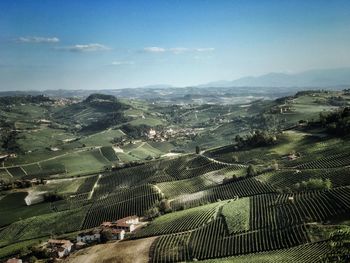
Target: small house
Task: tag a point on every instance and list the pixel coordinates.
(80, 245)
(90, 236)
(118, 234)
(59, 248)
(128, 224)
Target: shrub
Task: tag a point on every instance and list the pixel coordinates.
(251, 171)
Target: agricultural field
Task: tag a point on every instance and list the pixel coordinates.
(104, 138)
(207, 196)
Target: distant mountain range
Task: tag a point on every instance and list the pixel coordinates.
(271, 85)
(320, 78)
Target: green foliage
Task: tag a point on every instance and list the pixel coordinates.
(43, 225)
(180, 221)
(314, 184)
(237, 214)
(339, 246)
(251, 171)
(152, 213)
(337, 122)
(164, 206)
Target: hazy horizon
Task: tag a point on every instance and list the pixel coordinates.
(127, 44)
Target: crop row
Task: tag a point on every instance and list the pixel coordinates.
(329, 161)
(239, 188)
(124, 194)
(282, 210)
(213, 241)
(180, 221)
(288, 178)
(135, 206)
(109, 153)
(311, 252)
(87, 185)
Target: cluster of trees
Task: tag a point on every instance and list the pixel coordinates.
(135, 131)
(110, 119)
(10, 184)
(257, 139)
(339, 246)
(337, 122)
(9, 100)
(8, 137)
(105, 102)
(314, 184)
(160, 208)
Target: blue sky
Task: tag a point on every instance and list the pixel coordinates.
(119, 44)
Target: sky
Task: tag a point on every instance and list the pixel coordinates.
(65, 44)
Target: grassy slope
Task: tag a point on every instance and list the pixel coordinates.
(236, 214)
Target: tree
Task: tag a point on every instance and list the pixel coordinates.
(32, 259)
(235, 159)
(251, 171)
(152, 213)
(274, 165)
(106, 235)
(198, 149)
(164, 206)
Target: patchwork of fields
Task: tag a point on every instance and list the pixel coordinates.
(253, 203)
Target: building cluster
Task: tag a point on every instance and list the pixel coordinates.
(166, 134)
(107, 231)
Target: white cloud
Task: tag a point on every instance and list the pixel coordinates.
(154, 49)
(119, 63)
(34, 39)
(207, 49)
(176, 50)
(85, 48)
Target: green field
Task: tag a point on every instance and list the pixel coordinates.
(13, 208)
(103, 138)
(236, 215)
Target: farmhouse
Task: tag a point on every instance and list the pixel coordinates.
(128, 224)
(59, 248)
(89, 237)
(113, 234)
(54, 149)
(151, 133)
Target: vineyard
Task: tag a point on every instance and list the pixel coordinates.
(135, 201)
(109, 153)
(312, 252)
(287, 178)
(239, 188)
(181, 221)
(264, 222)
(43, 225)
(213, 241)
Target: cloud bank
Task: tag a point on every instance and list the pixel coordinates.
(36, 40)
(176, 50)
(85, 48)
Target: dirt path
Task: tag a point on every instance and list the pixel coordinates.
(219, 162)
(132, 251)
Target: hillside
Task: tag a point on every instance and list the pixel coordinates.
(268, 181)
